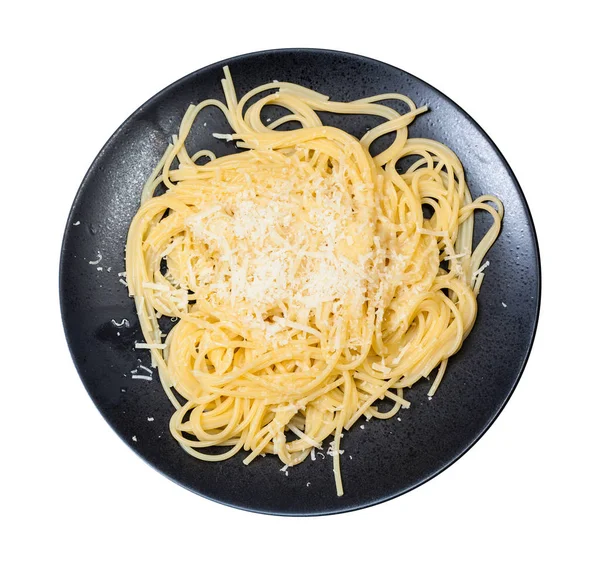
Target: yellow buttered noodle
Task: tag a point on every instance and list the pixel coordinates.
(307, 282)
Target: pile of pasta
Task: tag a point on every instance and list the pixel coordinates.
(309, 279)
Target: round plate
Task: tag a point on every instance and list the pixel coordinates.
(381, 460)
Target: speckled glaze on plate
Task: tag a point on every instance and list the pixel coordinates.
(385, 458)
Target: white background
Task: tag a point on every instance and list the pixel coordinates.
(527, 493)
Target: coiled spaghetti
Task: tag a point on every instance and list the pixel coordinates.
(307, 280)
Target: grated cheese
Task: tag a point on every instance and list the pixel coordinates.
(480, 270)
(150, 345)
(332, 452)
(141, 377)
(226, 137)
(380, 368)
(291, 244)
(454, 256)
(97, 261)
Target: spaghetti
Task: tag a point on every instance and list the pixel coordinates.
(306, 277)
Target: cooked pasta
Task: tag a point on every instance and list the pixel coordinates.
(309, 279)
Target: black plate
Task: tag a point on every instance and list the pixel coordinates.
(386, 458)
